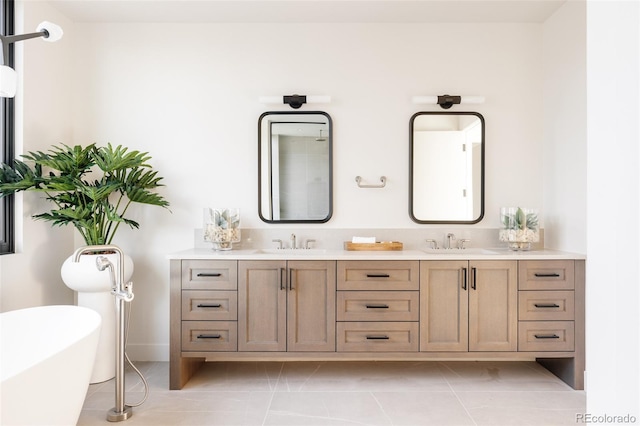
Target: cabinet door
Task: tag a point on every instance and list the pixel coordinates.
(493, 305)
(311, 306)
(262, 304)
(444, 305)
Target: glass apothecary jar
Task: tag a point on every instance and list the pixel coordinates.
(222, 227)
(519, 227)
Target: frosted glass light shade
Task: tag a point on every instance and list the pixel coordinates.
(55, 32)
(8, 82)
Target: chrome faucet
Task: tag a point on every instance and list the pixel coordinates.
(293, 241)
(447, 241)
(118, 290)
(123, 293)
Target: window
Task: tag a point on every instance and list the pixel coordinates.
(7, 131)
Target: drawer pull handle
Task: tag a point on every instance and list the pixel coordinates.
(377, 337)
(209, 336)
(464, 278)
(209, 274)
(473, 278)
(209, 305)
(547, 275)
(372, 306)
(546, 336)
(377, 275)
(546, 305)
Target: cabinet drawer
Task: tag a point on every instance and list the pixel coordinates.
(219, 336)
(378, 306)
(545, 305)
(546, 336)
(546, 275)
(209, 275)
(207, 305)
(378, 275)
(377, 336)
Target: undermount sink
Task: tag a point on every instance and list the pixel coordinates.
(289, 251)
(458, 251)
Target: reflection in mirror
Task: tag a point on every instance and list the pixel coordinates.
(446, 167)
(295, 167)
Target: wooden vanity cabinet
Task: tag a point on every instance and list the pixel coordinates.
(209, 306)
(393, 310)
(286, 306)
(378, 306)
(468, 306)
(546, 306)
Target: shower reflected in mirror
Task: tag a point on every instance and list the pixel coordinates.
(295, 167)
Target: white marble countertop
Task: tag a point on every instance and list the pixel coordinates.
(330, 254)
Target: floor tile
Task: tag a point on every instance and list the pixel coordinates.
(424, 408)
(500, 376)
(321, 408)
(438, 393)
(524, 407)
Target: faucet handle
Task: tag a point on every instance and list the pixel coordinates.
(307, 242)
(461, 243)
(129, 291)
(277, 241)
(434, 244)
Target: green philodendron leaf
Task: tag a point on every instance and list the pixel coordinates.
(90, 198)
(521, 219)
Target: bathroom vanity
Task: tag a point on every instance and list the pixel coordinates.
(411, 305)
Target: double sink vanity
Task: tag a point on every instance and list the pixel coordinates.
(295, 304)
(411, 305)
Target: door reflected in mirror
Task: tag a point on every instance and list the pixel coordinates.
(295, 167)
(446, 167)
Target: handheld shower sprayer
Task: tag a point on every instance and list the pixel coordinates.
(117, 289)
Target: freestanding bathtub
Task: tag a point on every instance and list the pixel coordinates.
(46, 359)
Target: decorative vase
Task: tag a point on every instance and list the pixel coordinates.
(519, 227)
(94, 292)
(222, 227)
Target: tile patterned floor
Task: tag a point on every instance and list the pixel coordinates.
(346, 393)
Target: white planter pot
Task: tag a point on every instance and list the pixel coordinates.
(94, 292)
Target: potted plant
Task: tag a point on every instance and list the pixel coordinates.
(91, 188)
(97, 207)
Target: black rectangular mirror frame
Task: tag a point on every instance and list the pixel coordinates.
(260, 171)
(411, 169)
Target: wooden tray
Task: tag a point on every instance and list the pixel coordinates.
(383, 245)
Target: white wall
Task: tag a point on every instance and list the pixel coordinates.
(565, 128)
(31, 277)
(613, 265)
(187, 93)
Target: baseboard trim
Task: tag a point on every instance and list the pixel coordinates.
(148, 352)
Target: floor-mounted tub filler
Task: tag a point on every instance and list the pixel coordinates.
(122, 292)
(46, 359)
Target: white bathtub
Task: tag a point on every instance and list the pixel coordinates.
(46, 358)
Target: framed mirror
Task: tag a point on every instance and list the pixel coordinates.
(295, 179)
(446, 167)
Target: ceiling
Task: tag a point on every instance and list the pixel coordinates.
(309, 11)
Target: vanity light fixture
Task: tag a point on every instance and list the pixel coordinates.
(447, 101)
(8, 77)
(295, 101)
